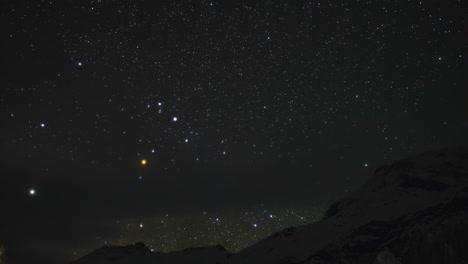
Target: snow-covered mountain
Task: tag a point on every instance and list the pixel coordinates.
(413, 211)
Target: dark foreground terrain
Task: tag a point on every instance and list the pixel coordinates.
(412, 211)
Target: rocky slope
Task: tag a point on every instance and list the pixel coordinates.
(413, 211)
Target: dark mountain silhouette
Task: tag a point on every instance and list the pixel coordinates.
(413, 211)
(140, 254)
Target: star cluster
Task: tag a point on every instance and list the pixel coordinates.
(258, 79)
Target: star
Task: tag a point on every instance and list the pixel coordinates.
(143, 162)
(32, 192)
(42, 125)
(174, 119)
(80, 64)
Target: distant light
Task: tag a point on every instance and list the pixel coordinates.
(271, 216)
(186, 140)
(148, 106)
(80, 64)
(141, 225)
(366, 165)
(140, 177)
(143, 162)
(152, 151)
(224, 152)
(32, 192)
(42, 125)
(159, 103)
(254, 225)
(174, 119)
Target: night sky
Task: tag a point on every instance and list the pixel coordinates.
(195, 123)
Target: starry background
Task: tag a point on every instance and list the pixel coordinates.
(251, 116)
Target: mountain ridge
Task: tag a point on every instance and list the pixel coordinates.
(413, 206)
